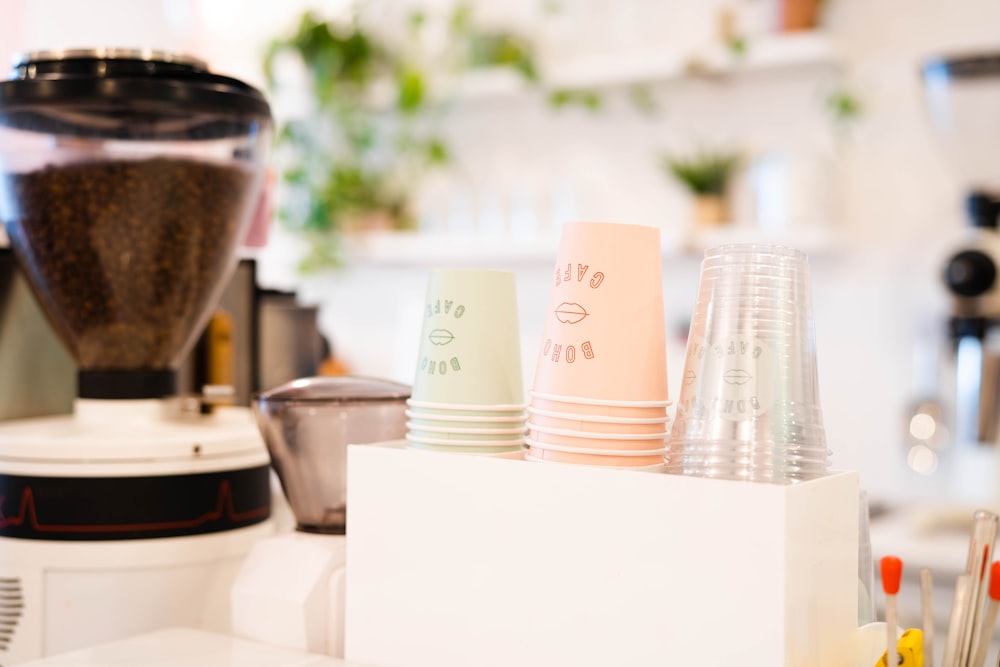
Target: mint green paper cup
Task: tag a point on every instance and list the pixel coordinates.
(469, 350)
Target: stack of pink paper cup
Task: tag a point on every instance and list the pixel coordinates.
(468, 393)
(600, 391)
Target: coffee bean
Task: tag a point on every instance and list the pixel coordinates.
(127, 256)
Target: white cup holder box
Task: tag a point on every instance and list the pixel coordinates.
(473, 560)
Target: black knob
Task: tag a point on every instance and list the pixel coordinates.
(970, 273)
(983, 209)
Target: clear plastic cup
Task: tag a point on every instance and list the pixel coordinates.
(749, 404)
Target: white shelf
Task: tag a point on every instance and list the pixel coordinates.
(416, 249)
(801, 49)
(426, 250)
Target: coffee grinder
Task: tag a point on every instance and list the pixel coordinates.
(963, 100)
(127, 180)
(290, 590)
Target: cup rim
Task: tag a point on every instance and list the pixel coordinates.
(727, 463)
(534, 459)
(786, 267)
(699, 444)
(592, 435)
(756, 476)
(567, 449)
(420, 447)
(583, 400)
(464, 418)
(774, 249)
(467, 407)
(465, 431)
(599, 419)
(472, 444)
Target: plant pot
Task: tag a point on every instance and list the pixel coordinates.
(710, 210)
(799, 14)
(370, 221)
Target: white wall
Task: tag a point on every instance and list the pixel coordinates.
(897, 206)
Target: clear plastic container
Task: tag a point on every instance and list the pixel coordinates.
(307, 425)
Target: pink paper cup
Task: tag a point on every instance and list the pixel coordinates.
(585, 409)
(656, 451)
(571, 423)
(588, 441)
(554, 456)
(604, 334)
(655, 468)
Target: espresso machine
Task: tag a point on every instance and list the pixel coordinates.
(963, 100)
(127, 179)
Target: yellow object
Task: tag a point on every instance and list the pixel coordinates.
(910, 649)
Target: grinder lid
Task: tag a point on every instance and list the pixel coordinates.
(106, 92)
(337, 389)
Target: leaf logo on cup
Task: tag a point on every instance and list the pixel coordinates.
(736, 376)
(570, 313)
(737, 379)
(441, 337)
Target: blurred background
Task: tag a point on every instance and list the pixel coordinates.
(419, 134)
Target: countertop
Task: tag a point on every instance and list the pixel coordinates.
(186, 647)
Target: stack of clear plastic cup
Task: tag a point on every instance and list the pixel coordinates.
(749, 405)
(600, 390)
(468, 393)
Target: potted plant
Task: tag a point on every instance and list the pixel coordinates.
(354, 159)
(706, 175)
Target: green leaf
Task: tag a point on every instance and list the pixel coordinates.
(461, 18)
(591, 100)
(843, 105)
(349, 159)
(737, 46)
(588, 99)
(643, 99)
(437, 152)
(705, 172)
(560, 98)
(409, 90)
